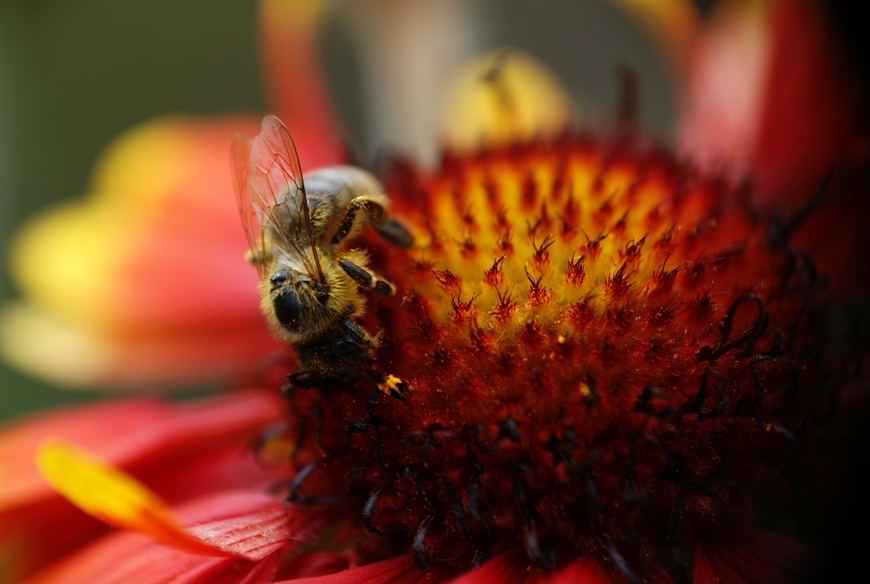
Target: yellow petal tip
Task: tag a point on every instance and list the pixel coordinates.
(111, 495)
(96, 487)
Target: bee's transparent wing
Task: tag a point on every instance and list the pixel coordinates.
(252, 217)
(271, 196)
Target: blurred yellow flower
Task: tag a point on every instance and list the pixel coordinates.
(123, 287)
(500, 96)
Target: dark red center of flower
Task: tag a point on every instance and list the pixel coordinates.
(605, 354)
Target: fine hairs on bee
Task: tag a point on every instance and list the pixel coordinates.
(297, 227)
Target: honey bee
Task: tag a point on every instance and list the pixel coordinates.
(309, 283)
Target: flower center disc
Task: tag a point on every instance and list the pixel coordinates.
(599, 346)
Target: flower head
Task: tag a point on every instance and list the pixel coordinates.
(606, 359)
(604, 354)
(600, 364)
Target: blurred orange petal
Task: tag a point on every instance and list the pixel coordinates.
(295, 82)
(142, 281)
(771, 94)
(69, 356)
(675, 24)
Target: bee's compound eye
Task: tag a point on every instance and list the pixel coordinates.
(278, 278)
(287, 308)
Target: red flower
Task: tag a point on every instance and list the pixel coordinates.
(615, 368)
(770, 93)
(606, 363)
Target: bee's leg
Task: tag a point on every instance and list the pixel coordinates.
(375, 209)
(354, 346)
(348, 357)
(387, 384)
(393, 231)
(366, 278)
(306, 379)
(303, 379)
(355, 333)
(334, 360)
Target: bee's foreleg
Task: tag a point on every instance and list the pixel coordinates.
(393, 231)
(375, 208)
(366, 278)
(355, 332)
(307, 379)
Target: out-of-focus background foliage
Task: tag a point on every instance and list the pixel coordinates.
(74, 74)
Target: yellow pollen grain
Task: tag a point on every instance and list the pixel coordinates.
(585, 390)
(391, 385)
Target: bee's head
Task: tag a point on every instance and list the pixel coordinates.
(297, 300)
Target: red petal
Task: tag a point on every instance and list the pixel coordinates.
(127, 432)
(514, 568)
(179, 451)
(745, 555)
(316, 563)
(582, 570)
(507, 568)
(811, 107)
(289, 36)
(400, 570)
(250, 525)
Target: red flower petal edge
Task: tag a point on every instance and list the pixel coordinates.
(733, 555)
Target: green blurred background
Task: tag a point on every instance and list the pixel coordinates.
(74, 74)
